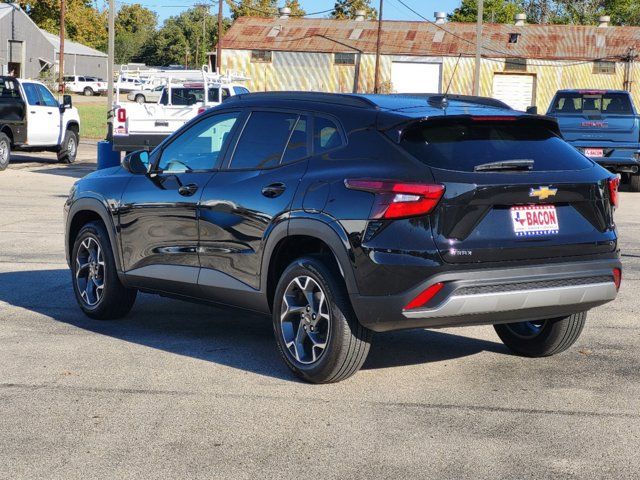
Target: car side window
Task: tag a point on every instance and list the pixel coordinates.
(30, 90)
(326, 135)
(47, 97)
(240, 90)
(263, 140)
(297, 146)
(199, 147)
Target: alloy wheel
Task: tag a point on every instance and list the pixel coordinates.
(305, 320)
(71, 147)
(90, 271)
(4, 152)
(527, 329)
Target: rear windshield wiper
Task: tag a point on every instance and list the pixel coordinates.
(505, 165)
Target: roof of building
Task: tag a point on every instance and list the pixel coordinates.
(70, 47)
(554, 42)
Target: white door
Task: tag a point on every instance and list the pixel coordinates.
(409, 77)
(43, 115)
(514, 90)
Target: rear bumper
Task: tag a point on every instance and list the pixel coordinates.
(495, 296)
(617, 158)
(143, 141)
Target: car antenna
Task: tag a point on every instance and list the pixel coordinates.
(444, 102)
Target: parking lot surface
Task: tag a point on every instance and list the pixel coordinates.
(179, 390)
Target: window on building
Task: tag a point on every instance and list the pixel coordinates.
(603, 67)
(515, 64)
(255, 150)
(513, 37)
(263, 56)
(345, 59)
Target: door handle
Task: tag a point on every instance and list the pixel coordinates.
(50, 113)
(274, 190)
(188, 190)
(32, 111)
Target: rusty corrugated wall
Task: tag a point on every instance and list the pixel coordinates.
(317, 72)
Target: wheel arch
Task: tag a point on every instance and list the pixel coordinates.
(85, 210)
(299, 237)
(8, 131)
(74, 126)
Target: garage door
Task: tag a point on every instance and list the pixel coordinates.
(514, 90)
(415, 77)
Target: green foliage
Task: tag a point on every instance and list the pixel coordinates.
(296, 9)
(135, 27)
(495, 11)
(253, 8)
(348, 8)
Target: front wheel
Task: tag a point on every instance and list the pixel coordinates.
(140, 98)
(5, 151)
(69, 148)
(316, 330)
(96, 285)
(542, 338)
(88, 92)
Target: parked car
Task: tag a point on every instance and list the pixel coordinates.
(31, 119)
(88, 86)
(604, 125)
(344, 215)
(127, 84)
(143, 126)
(144, 96)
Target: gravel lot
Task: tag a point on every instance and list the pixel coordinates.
(178, 390)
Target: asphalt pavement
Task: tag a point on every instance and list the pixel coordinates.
(179, 390)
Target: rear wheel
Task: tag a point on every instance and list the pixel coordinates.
(542, 338)
(316, 330)
(96, 285)
(5, 151)
(140, 98)
(634, 182)
(88, 91)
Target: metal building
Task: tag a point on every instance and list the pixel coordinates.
(522, 64)
(28, 51)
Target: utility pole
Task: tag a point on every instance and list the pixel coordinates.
(476, 73)
(205, 10)
(628, 68)
(376, 81)
(219, 47)
(110, 61)
(61, 59)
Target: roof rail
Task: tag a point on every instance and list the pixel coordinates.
(334, 98)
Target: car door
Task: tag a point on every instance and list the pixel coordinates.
(247, 198)
(159, 214)
(43, 115)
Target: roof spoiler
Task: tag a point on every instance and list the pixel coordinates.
(396, 131)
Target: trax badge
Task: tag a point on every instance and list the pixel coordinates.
(542, 192)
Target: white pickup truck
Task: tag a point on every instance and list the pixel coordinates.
(142, 126)
(87, 86)
(31, 119)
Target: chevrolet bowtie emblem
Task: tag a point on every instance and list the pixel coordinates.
(542, 192)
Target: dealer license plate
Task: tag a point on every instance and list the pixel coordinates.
(594, 152)
(534, 220)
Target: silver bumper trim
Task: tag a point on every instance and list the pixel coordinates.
(457, 305)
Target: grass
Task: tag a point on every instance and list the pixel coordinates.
(93, 120)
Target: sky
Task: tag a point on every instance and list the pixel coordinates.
(393, 10)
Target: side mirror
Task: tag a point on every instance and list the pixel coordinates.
(136, 162)
(532, 110)
(66, 103)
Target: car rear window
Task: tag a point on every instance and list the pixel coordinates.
(592, 102)
(455, 144)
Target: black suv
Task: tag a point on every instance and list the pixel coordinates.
(343, 215)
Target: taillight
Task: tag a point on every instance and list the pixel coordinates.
(121, 115)
(617, 277)
(399, 199)
(425, 296)
(613, 184)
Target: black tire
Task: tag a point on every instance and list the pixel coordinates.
(140, 98)
(115, 300)
(5, 151)
(347, 341)
(69, 148)
(88, 92)
(634, 182)
(543, 338)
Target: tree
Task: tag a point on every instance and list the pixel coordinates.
(347, 9)
(135, 27)
(495, 11)
(296, 9)
(83, 22)
(253, 8)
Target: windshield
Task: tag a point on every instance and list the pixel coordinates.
(592, 103)
(463, 144)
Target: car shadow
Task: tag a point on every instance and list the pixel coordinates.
(231, 337)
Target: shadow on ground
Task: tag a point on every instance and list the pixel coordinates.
(231, 337)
